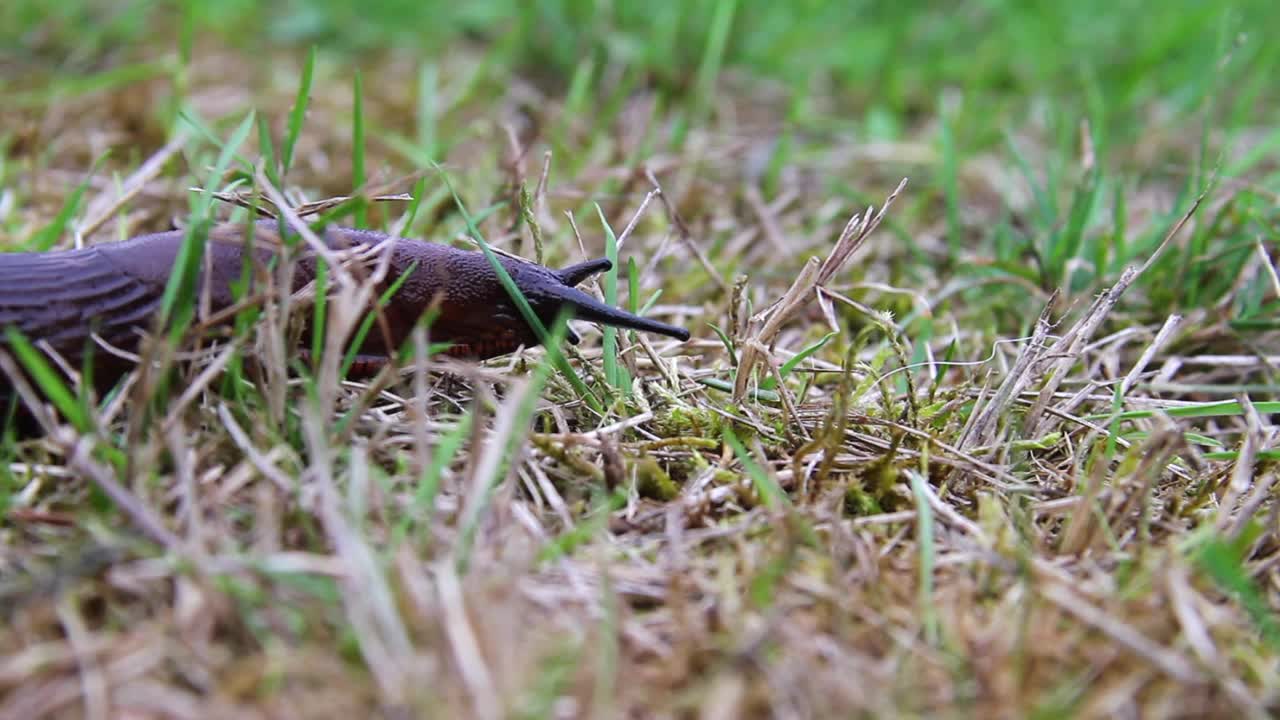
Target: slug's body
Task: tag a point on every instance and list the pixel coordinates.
(114, 290)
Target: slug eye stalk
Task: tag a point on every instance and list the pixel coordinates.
(575, 274)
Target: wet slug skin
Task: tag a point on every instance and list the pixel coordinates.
(113, 291)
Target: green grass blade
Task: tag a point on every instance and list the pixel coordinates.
(727, 341)
(366, 325)
(188, 116)
(611, 299)
(267, 150)
(319, 309)
(950, 182)
(357, 151)
(80, 86)
(1223, 562)
(422, 508)
(713, 56)
(633, 286)
(789, 366)
(770, 492)
(411, 212)
(1234, 454)
(298, 116)
(182, 281)
(1225, 408)
(769, 396)
(49, 234)
(47, 379)
(928, 554)
(428, 108)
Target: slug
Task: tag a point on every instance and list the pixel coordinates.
(114, 290)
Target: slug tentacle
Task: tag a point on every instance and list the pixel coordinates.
(589, 309)
(575, 274)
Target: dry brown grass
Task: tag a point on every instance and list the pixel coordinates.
(257, 567)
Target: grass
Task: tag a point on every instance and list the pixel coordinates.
(999, 442)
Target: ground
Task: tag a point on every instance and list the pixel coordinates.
(977, 418)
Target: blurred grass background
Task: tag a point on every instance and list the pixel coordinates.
(887, 62)
(1031, 130)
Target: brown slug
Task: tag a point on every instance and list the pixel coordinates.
(115, 289)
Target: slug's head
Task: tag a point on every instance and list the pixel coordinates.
(551, 291)
(548, 293)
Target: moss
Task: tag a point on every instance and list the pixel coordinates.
(686, 420)
(858, 502)
(877, 488)
(653, 482)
